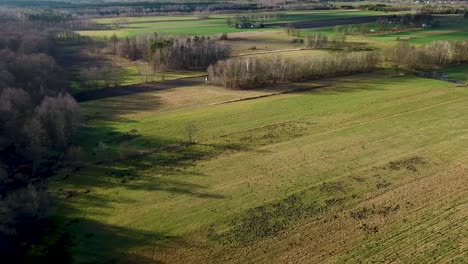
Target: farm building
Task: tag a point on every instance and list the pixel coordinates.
(248, 25)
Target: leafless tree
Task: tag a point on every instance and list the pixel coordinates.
(190, 130)
(248, 73)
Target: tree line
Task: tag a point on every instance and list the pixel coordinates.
(145, 8)
(404, 56)
(38, 123)
(315, 41)
(244, 73)
(426, 8)
(390, 24)
(257, 19)
(171, 53)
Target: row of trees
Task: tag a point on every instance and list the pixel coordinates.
(253, 18)
(171, 53)
(404, 56)
(390, 24)
(443, 9)
(384, 7)
(245, 73)
(38, 121)
(48, 15)
(316, 41)
(430, 8)
(145, 8)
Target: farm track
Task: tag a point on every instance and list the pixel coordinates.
(297, 90)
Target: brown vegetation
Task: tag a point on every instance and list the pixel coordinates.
(38, 121)
(254, 72)
(431, 56)
(171, 53)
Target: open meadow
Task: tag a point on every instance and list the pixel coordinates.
(354, 155)
(201, 132)
(214, 24)
(272, 40)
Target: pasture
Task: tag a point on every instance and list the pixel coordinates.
(332, 170)
(231, 135)
(359, 168)
(271, 40)
(453, 30)
(458, 72)
(214, 24)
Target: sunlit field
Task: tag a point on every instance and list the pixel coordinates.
(266, 173)
(209, 132)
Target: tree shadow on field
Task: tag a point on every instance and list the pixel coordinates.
(330, 85)
(80, 201)
(137, 88)
(112, 109)
(99, 183)
(151, 163)
(81, 240)
(121, 162)
(349, 84)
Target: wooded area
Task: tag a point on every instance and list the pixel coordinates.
(38, 122)
(254, 72)
(171, 53)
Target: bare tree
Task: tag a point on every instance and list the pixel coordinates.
(247, 73)
(190, 130)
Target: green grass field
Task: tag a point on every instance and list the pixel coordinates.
(452, 29)
(360, 169)
(459, 72)
(338, 172)
(216, 24)
(266, 41)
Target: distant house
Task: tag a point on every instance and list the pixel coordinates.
(244, 25)
(426, 25)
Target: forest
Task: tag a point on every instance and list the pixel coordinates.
(38, 123)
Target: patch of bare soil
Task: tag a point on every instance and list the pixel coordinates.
(410, 164)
